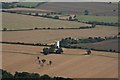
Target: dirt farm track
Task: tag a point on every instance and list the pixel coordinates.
(70, 64)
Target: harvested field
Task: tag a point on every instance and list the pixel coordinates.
(70, 64)
(94, 8)
(49, 36)
(18, 21)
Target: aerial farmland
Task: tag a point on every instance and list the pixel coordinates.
(88, 39)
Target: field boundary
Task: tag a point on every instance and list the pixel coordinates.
(86, 27)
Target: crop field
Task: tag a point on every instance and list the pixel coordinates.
(76, 65)
(105, 45)
(49, 36)
(27, 4)
(94, 8)
(17, 21)
(113, 19)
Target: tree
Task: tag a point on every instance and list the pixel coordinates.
(45, 77)
(74, 16)
(38, 57)
(59, 51)
(88, 52)
(86, 12)
(70, 18)
(6, 74)
(48, 14)
(50, 62)
(43, 61)
(51, 49)
(39, 62)
(4, 29)
(45, 51)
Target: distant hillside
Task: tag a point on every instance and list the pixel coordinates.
(94, 8)
(21, 4)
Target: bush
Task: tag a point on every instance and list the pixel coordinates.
(56, 17)
(4, 29)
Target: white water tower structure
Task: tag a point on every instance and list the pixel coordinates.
(57, 44)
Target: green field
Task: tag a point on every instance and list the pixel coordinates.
(28, 4)
(84, 18)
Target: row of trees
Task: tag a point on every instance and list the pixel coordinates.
(102, 23)
(48, 28)
(68, 41)
(28, 76)
(22, 43)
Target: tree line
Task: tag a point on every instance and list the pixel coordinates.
(28, 76)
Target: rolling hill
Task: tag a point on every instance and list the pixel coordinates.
(94, 8)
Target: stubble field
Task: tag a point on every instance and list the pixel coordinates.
(70, 64)
(49, 36)
(19, 21)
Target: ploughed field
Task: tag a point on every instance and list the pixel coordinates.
(104, 45)
(94, 8)
(70, 64)
(19, 21)
(49, 36)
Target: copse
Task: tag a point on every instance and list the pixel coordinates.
(52, 50)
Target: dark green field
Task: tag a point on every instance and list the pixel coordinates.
(109, 19)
